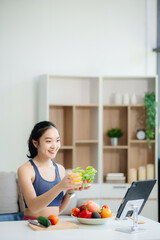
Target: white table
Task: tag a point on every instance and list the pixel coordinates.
(20, 230)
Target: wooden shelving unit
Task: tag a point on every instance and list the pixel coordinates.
(83, 109)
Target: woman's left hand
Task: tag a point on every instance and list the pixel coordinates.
(79, 189)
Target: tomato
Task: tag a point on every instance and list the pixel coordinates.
(88, 181)
(104, 206)
(75, 211)
(82, 207)
(53, 219)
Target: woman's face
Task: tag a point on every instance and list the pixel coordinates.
(49, 143)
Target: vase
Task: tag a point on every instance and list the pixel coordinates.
(118, 98)
(114, 141)
(126, 99)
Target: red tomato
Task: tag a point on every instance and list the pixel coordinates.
(75, 211)
(82, 207)
(105, 206)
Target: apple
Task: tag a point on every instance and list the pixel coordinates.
(92, 206)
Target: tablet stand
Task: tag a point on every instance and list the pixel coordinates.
(134, 228)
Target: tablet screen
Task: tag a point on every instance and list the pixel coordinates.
(137, 195)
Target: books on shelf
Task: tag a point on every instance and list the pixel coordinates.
(115, 178)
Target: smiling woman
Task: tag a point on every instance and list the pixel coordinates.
(42, 180)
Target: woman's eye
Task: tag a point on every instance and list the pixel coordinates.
(48, 141)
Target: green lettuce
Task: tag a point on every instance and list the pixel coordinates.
(87, 174)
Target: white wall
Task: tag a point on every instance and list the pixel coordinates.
(74, 37)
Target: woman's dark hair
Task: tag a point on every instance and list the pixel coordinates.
(38, 130)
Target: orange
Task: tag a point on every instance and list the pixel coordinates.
(53, 219)
(106, 213)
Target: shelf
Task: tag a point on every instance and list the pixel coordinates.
(136, 105)
(141, 141)
(115, 147)
(86, 141)
(123, 105)
(72, 105)
(59, 105)
(66, 147)
(114, 105)
(86, 105)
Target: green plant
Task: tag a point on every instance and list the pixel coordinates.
(114, 133)
(150, 106)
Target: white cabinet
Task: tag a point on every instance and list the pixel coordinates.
(150, 209)
(84, 108)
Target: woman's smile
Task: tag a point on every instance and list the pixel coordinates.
(52, 152)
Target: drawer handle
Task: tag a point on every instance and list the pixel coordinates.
(120, 187)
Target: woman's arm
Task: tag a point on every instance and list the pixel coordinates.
(65, 202)
(66, 198)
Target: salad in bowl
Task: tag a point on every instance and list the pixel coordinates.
(88, 175)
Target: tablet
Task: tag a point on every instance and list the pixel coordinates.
(137, 195)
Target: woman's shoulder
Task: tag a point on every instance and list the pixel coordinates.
(26, 167)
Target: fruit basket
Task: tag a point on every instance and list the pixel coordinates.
(91, 213)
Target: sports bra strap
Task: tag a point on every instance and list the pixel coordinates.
(34, 166)
(57, 171)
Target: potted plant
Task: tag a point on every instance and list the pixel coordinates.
(114, 134)
(150, 106)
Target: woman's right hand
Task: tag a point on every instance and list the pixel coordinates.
(67, 182)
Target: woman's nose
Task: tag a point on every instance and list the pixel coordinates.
(53, 144)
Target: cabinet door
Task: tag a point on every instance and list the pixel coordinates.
(150, 209)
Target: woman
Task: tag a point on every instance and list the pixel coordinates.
(42, 180)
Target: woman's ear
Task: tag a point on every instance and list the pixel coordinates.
(35, 143)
